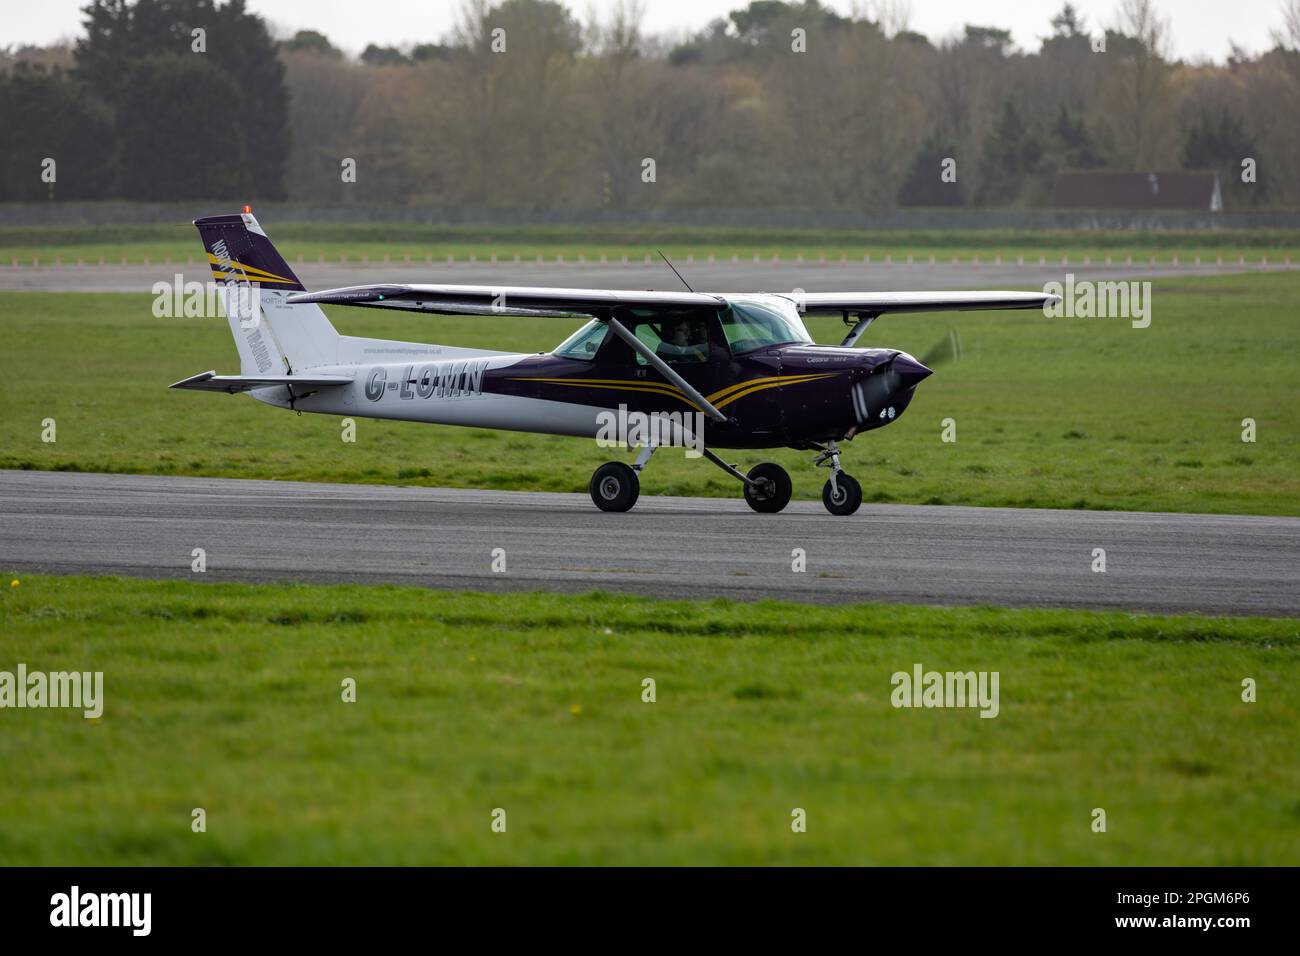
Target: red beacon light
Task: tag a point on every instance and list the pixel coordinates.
(248, 209)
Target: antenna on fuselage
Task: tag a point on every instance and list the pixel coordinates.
(675, 272)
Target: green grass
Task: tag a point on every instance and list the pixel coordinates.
(395, 241)
(227, 697)
(1074, 413)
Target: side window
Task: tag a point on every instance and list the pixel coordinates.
(676, 340)
(585, 343)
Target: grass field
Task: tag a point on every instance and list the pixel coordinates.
(376, 242)
(228, 697)
(1075, 413)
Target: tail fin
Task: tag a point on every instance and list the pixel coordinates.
(273, 337)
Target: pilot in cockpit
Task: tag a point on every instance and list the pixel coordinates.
(684, 340)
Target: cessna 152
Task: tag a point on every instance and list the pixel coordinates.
(745, 362)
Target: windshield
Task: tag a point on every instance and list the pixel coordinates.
(584, 343)
(757, 323)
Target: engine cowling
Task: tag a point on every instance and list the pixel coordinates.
(882, 393)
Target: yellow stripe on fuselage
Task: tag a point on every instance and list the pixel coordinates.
(771, 383)
(618, 385)
(718, 399)
(765, 382)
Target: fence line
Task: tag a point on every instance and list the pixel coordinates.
(123, 213)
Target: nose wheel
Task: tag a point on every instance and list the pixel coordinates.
(843, 495)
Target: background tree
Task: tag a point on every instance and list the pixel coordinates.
(45, 113)
(1217, 140)
(732, 116)
(1139, 98)
(209, 159)
(924, 186)
(374, 55)
(1011, 156)
(327, 94)
(310, 41)
(119, 33)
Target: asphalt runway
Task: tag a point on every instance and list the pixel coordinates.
(147, 526)
(726, 276)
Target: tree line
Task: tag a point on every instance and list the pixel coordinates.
(523, 104)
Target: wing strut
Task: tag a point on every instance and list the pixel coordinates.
(855, 333)
(664, 369)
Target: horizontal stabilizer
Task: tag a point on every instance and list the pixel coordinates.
(212, 382)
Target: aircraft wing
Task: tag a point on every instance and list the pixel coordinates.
(505, 300)
(888, 302)
(212, 382)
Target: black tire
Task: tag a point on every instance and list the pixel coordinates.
(849, 498)
(778, 488)
(614, 487)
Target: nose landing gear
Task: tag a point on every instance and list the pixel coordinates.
(842, 495)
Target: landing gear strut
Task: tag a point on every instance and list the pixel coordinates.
(767, 486)
(842, 495)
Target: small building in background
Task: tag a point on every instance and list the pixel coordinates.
(1177, 189)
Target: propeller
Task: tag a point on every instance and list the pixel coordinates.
(876, 391)
(947, 349)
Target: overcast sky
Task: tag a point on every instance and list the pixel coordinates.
(1199, 28)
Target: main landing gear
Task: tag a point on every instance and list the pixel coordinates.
(615, 486)
(767, 488)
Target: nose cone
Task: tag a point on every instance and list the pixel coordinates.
(909, 370)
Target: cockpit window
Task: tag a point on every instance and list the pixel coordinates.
(584, 343)
(757, 323)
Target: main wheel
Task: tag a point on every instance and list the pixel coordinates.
(775, 491)
(614, 487)
(848, 498)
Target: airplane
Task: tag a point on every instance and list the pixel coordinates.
(728, 371)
